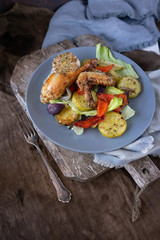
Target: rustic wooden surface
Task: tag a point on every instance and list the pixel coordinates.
(29, 209)
(79, 166)
(99, 209)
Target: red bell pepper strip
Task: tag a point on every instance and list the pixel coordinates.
(105, 68)
(89, 122)
(124, 97)
(79, 92)
(108, 97)
(101, 108)
(117, 109)
(105, 97)
(73, 87)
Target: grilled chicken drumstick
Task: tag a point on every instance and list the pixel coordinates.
(55, 85)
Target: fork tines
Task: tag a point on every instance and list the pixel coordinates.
(25, 124)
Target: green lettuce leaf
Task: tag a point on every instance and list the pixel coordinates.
(78, 130)
(104, 54)
(114, 103)
(113, 90)
(127, 112)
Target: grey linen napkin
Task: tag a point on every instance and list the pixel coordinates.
(123, 25)
(133, 9)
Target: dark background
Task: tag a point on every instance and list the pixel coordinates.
(50, 4)
(100, 209)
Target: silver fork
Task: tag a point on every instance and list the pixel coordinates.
(31, 137)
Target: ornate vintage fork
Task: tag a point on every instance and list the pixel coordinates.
(31, 137)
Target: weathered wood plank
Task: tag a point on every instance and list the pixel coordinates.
(72, 164)
(79, 166)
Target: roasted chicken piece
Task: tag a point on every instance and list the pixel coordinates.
(55, 85)
(85, 81)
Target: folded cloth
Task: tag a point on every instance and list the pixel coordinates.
(133, 9)
(124, 25)
(149, 143)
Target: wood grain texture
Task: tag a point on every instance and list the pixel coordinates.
(99, 209)
(72, 164)
(79, 166)
(29, 210)
(139, 169)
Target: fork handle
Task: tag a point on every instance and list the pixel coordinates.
(63, 193)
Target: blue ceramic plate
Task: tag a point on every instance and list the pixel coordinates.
(91, 141)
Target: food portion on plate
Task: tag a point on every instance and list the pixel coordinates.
(92, 94)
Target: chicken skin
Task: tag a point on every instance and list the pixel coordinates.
(55, 85)
(85, 81)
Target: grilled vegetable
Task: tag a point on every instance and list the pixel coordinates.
(80, 101)
(115, 74)
(127, 112)
(102, 107)
(89, 122)
(124, 97)
(104, 54)
(113, 90)
(105, 68)
(112, 101)
(55, 108)
(105, 97)
(79, 92)
(131, 83)
(113, 125)
(116, 66)
(66, 116)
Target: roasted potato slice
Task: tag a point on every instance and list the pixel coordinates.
(113, 125)
(65, 62)
(67, 116)
(81, 103)
(131, 83)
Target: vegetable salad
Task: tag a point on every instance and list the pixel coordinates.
(113, 110)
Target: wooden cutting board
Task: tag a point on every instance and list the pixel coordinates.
(79, 166)
(72, 164)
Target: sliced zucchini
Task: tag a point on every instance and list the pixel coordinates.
(80, 101)
(113, 125)
(113, 90)
(67, 116)
(130, 83)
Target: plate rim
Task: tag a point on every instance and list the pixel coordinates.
(79, 150)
